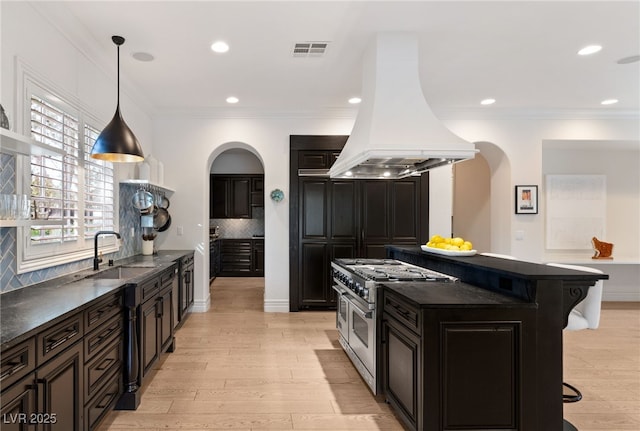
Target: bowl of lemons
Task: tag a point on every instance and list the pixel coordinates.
(449, 246)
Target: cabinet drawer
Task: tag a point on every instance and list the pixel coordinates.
(102, 336)
(403, 312)
(99, 313)
(149, 289)
(57, 338)
(102, 367)
(166, 278)
(17, 362)
(235, 246)
(99, 406)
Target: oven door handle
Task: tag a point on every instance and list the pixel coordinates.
(338, 290)
(356, 308)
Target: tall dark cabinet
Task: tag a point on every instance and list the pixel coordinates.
(343, 218)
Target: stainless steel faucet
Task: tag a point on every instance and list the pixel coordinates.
(96, 260)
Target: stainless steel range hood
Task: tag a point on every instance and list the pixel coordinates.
(396, 134)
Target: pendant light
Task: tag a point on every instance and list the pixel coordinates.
(117, 143)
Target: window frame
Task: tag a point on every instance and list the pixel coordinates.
(31, 257)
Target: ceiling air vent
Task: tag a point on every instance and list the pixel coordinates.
(310, 49)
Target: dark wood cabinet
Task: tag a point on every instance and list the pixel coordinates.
(257, 191)
(344, 218)
(458, 362)
(401, 354)
(156, 322)
(186, 297)
(235, 196)
(60, 390)
(19, 404)
(241, 257)
(53, 377)
(257, 258)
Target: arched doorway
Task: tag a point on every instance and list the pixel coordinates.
(482, 199)
(236, 217)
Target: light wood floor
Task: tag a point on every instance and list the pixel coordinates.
(238, 368)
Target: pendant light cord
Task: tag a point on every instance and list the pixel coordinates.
(118, 100)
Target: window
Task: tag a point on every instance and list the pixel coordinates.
(73, 195)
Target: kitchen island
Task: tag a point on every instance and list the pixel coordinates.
(74, 346)
(523, 353)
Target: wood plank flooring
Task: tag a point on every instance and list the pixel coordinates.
(238, 368)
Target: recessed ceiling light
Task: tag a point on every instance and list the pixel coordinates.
(355, 100)
(219, 47)
(488, 101)
(232, 99)
(349, 173)
(143, 56)
(387, 174)
(630, 59)
(609, 102)
(589, 49)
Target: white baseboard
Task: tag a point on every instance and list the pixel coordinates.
(276, 305)
(201, 306)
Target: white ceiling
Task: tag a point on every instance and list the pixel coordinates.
(521, 53)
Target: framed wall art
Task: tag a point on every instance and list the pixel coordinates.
(526, 199)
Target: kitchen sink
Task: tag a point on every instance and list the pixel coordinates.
(121, 272)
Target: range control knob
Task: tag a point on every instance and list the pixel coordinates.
(365, 293)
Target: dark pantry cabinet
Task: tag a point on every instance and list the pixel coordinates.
(235, 196)
(344, 218)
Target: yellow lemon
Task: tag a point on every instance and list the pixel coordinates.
(468, 244)
(453, 248)
(465, 247)
(447, 240)
(457, 241)
(437, 239)
(441, 245)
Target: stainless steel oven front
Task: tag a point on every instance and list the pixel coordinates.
(356, 323)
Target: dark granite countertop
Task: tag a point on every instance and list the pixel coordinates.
(24, 311)
(452, 295)
(512, 268)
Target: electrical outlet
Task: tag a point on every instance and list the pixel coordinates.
(519, 235)
(133, 232)
(180, 230)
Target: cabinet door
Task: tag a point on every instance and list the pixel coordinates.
(17, 404)
(219, 197)
(150, 349)
(405, 211)
(165, 324)
(257, 191)
(258, 258)
(375, 218)
(401, 374)
(61, 383)
(240, 195)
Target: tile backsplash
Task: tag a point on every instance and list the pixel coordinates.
(241, 227)
(128, 216)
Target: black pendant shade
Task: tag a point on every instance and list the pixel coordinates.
(117, 143)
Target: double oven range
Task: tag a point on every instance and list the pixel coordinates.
(357, 282)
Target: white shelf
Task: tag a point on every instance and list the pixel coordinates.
(147, 183)
(22, 223)
(16, 144)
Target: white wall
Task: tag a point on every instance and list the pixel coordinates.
(237, 161)
(521, 140)
(30, 44)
